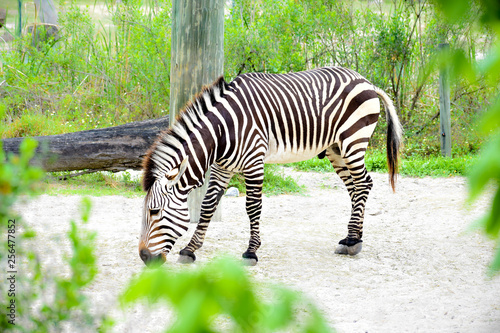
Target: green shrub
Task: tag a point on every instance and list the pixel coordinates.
(100, 75)
(59, 300)
(486, 17)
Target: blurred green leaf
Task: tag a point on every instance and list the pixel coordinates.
(491, 12)
(486, 168)
(454, 10)
(495, 264)
(492, 227)
(27, 150)
(86, 206)
(490, 66)
(491, 119)
(60, 300)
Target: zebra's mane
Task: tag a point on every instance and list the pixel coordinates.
(191, 113)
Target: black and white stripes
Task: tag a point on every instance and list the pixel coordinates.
(256, 119)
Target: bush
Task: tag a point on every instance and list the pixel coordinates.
(42, 302)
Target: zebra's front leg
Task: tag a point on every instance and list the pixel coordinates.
(253, 183)
(219, 179)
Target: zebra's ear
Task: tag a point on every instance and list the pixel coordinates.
(176, 173)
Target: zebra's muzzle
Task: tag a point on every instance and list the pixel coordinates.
(150, 259)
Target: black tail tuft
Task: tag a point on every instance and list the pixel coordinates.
(394, 135)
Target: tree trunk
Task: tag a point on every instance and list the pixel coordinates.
(114, 148)
(197, 60)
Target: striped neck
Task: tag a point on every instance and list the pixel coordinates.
(194, 135)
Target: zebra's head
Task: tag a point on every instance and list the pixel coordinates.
(165, 215)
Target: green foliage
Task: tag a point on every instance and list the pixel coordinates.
(313, 164)
(260, 36)
(238, 181)
(44, 302)
(437, 166)
(420, 166)
(487, 169)
(222, 289)
(90, 75)
(35, 124)
(17, 176)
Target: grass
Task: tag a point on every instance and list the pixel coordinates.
(33, 125)
(413, 166)
(275, 182)
(94, 184)
(41, 124)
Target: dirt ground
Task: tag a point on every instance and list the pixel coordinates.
(421, 269)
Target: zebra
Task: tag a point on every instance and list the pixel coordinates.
(261, 118)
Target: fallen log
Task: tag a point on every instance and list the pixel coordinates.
(107, 149)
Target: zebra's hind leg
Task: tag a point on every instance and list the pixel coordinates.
(353, 173)
(254, 178)
(219, 179)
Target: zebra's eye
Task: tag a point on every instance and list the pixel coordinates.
(154, 211)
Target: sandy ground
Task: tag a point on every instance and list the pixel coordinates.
(421, 268)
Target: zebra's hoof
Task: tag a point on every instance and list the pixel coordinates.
(186, 257)
(250, 259)
(349, 246)
(355, 249)
(249, 262)
(341, 249)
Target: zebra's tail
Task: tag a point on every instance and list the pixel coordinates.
(394, 136)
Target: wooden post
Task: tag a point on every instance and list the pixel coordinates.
(3, 17)
(46, 11)
(444, 109)
(19, 17)
(197, 60)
